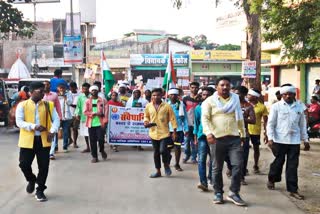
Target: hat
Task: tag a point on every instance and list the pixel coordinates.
(287, 89)
(253, 93)
(173, 91)
(122, 85)
(93, 87)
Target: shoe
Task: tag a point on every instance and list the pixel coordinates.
(155, 175)
(94, 160)
(296, 195)
(65, 151)
(194, 161)
(228, 173)
(256, 170)
(270, 185)
(236, 199)
(218, 198)
(104, 155)
(75, 146)
(167, 171)
(40, 196)
(203, 187)
(52, 157)
(85, 150)
(178, 168)
(30, 187)
(115, 149)
(185, 160)
(243, 182)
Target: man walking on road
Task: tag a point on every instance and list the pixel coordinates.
(80, 116)
(201, 141)
(38, 121)
(261, 112)
(286, 129)
(157, 116)
(222, 120)
(95, 110)
(191, 102)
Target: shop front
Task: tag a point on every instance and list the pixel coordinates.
(151, 67)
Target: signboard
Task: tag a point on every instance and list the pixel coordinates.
(183, 72)
(72, 49)
(76, 24)
(158, 59)
(215, 55)
(249, 69)
(35, 1)
(126, 127)
(88, 11)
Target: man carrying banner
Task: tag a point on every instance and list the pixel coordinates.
(181, 117)
(157, 117)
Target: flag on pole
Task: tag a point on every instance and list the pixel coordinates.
(108, 79)
(170, 78)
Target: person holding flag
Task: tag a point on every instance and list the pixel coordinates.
(170, 78)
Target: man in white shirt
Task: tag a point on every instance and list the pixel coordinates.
(65, 99)
(74, 124)
(286, 129)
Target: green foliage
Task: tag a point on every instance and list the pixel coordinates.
(297, 26)
(11, 20)
(199, 42)
(229, 47)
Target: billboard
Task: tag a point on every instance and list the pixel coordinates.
(158, 59)
(72, 49)
(88, 11)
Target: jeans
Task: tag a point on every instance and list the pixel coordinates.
(25, 162)
(54, 144)
(231, 146)
(280, 152)
(65, 124)
(246, 149)
(203, 152)
(190, 148)
(160, 147)
(96, 134)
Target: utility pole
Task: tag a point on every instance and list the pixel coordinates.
(72, 33)
(35, 66)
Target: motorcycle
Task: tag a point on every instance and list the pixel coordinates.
(314, 130)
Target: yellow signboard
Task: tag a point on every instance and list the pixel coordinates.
(215, 55)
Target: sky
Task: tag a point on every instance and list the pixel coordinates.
(117, 17)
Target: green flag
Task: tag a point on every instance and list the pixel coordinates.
(108, 79)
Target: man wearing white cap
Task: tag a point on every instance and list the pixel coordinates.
(180, 112)
(286, 129)
(260, 111)
(123, 94)
(95, 110)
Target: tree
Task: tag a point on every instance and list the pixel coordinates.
(11, 21)
(229, 47)
(296, 25)
(199, 42)
(252, 10)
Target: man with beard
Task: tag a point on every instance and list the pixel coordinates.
(286, 129)
(222, 122)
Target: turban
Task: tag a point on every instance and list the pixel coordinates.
(253, 93)
(287, 89)
(122, 85)
(173, 91)
(93, 87)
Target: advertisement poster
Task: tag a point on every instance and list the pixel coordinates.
(249, 69)
(125, 127)
(72, 49)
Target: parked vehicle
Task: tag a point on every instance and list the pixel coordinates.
(4, 104)
(27, 82)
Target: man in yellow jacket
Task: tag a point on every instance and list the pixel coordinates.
(38, 121)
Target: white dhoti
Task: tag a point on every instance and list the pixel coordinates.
(84, 131)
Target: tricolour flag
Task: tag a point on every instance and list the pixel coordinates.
(108, 79)
(170, 78)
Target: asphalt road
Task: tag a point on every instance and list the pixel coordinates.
(122, 185)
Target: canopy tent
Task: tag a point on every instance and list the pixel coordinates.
(19, 70)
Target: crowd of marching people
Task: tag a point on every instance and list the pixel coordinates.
(215, 123)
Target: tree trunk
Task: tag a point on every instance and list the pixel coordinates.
(253, 44)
